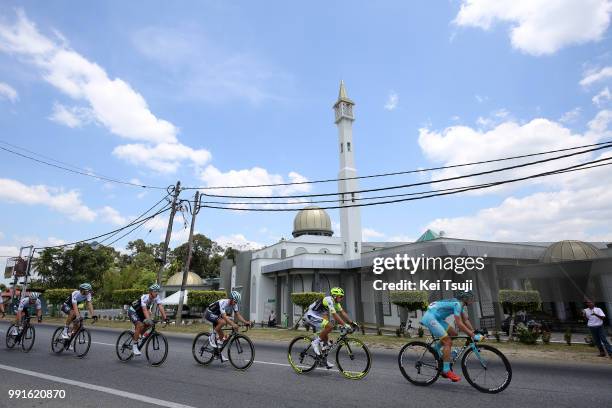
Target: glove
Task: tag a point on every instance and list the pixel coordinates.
(477, 337)
(148, 322)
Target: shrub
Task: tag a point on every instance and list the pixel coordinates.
(525, 335)
(421, 332)
(546, 337)
(126, 296)
(516, 300)
(497, 336)
(57, 296)
(411, 300)
(568, 336)
(203, 298)
(305, 299)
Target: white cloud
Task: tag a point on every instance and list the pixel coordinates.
(237, 241)
(111, 215)
(540, 27)
(401, 238)
(8, 92)
(594, 76)
(602, 97)
(213, 177)
(392, 101)
(9, 251)
(480, 98)
(571, 116)
(180, 235)
(65, 202)
(164, 157)
(71, 116)
(370, 233)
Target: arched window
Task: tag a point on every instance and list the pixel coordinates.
(324, 251)
(348, 146)
(300, 250)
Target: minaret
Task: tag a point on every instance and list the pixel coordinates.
(350, 217)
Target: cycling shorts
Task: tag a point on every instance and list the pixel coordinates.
(315, 320)
(437, 327)
(135, 316)
(213, 318)
(66, 308)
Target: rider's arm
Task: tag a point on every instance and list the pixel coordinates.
(462, 326)
(346, 317)
(162, 311)
(90, 308)
(337, 318)
(242, 319)
(466, 321)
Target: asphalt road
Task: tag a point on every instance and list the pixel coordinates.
(101, 380)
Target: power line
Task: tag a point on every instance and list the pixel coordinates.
(415, 184)
(582, 166)
(399, 172)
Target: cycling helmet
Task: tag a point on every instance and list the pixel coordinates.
(235, 296)
(33, 296)
(154, 288)
(85, 286)
(337, 292)
(465, 295)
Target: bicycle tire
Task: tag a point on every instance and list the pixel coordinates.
(236, 342)
(11, 339)
(413, 353)
(156, 340)
(124, 342)
(201, 348)
(471, 379)
(351, 349)
(300, 366)
(24, 337)
(57, 343)
(82, 337)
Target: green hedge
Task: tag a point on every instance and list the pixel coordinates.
(204, 298)
(57, 296)
(305, 299)
(516, 300)
(412, 300)
(122, 297)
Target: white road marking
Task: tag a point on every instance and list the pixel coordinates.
(104, 344)
(112, 391)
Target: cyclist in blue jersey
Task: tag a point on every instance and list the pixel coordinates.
(435, 320)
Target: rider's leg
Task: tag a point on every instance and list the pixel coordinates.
(219, 330)
(139, 327)
(327, 328)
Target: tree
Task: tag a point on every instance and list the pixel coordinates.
(205, 260)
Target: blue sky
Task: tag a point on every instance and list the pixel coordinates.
(238, 93)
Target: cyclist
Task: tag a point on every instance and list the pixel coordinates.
(320, 315)
(435, 320)
(23, 310)
(218, 314)
(71, 306)
(140, 314)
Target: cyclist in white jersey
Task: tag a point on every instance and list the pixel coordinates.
(23, 309)
(71, 306)
(2, 307)
(219, 314)
(140, 314)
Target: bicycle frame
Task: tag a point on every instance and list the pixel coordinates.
(147, 335)
(469, 343)
(233, 334)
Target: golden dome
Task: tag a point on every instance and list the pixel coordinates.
(312, 220)
(569, 251)
(193, 279)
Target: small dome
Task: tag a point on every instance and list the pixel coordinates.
(312, 220)
(193, 279)
(569, 251)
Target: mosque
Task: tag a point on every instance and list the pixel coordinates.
(316, 260)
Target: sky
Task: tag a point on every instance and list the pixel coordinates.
(234, 93)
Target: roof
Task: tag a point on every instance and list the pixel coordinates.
(570, 250)
(428, 236)
(193, 279)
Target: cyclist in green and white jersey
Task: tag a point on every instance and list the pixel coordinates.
(322, 314)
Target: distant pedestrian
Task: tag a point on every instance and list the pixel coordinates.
(272, 319)
(595, 321)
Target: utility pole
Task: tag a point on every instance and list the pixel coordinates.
(177, 191)
(196, 210)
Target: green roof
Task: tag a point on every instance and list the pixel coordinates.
(428, 235)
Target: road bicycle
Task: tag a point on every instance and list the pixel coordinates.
(25, 335)
(153, 342)
(484, 367)
(353, 358)
(240, 349)
(79, 340)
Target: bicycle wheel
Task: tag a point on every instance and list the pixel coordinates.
(302, 357)
(486, 369)
(419, 363)
(11, 339)
(241, 352)
(57, 343)
(353, 358)
(201, 349)
(82, 343)
(156, 349)
(27, 338)
(123, 347)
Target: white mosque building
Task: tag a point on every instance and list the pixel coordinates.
(316, 260)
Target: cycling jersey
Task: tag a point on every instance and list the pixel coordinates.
(325, 305)
(25, 303)
(441, 309)
(145, 301)
(222, 307)
(76, 297)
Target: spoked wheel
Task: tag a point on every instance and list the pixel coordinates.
(301, 355)
(486, 369)
(241, 352)
(123, 348)
(27, 339)
(11, 339)
(353, 358)
(202, 351)
(82, 343)
(156, 349)
(419, 363)
(57, 343)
